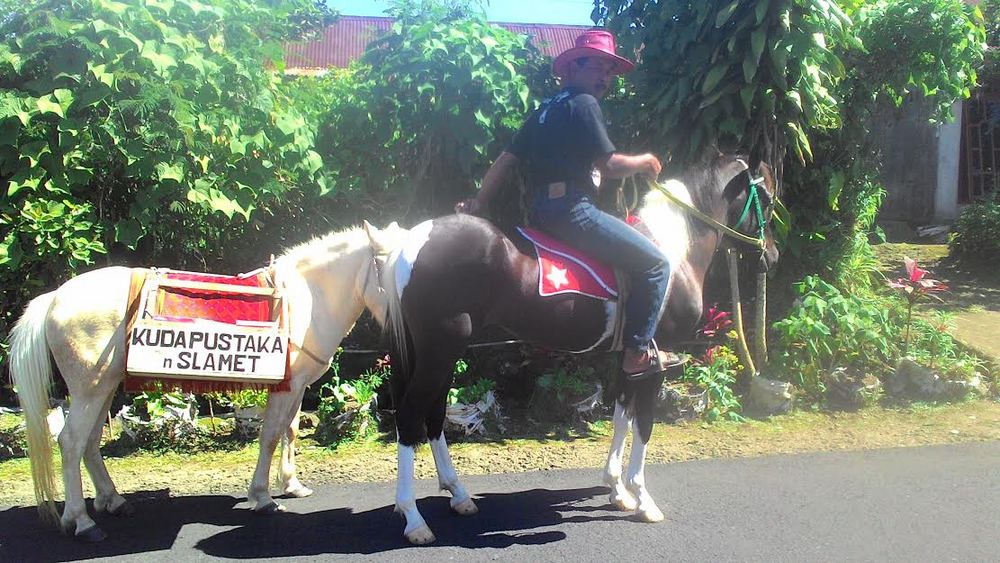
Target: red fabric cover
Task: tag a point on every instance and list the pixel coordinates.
(564, 269)
(213, 305)
(177, 304)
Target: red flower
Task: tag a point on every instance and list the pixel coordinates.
(709, 356)
(716, 321)
(382, 363)
(916, 284)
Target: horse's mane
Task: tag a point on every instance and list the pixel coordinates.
(323, 249)
(703, 178)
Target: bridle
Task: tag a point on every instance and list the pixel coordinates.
(753, 202)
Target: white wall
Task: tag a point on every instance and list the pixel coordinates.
(949, 151)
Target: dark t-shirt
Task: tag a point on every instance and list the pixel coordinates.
(560, 142)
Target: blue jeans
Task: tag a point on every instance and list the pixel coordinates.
(575, 220)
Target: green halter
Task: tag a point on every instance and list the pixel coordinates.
(754, 199)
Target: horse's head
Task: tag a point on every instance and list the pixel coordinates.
(748, 196)
(382, 242)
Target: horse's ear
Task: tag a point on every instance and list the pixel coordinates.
(765, 171)
(375, 238)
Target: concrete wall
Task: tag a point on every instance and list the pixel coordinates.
(909, 146)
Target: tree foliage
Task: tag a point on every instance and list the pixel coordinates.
(128, 122)
(752, 74)
(446, 90)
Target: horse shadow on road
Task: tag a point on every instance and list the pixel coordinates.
(505, 519)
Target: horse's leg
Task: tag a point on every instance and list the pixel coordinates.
(85, 413)
(107, 498)
(620, 496)
(281, 408)
(410, 430)
(461, 502)
(290, 484)
(426, 390)
(642, 429)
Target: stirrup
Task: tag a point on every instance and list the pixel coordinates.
(662, 361)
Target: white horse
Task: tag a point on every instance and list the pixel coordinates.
(81, 325)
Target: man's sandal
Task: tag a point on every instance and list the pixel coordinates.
(660, 361)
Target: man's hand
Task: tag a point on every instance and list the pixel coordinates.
(651, 166)
(470, 206)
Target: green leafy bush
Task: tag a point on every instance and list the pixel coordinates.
(827, 329)
(155, 130)
(977, 231)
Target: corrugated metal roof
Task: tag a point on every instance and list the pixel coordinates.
(346, 39)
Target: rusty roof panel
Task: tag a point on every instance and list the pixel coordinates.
(346, 39)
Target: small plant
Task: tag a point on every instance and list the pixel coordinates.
(160, 420)
(246, 398)
(471, 394)
(153, 405)
(716, 372)
(915, 287)
(934, 347)
(347, 409)
(716, 323)
(13, 442)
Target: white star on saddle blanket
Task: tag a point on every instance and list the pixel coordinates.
(558, 277)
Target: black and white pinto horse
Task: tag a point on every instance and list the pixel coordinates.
(459, 273)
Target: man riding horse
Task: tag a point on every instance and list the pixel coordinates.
(565, 150)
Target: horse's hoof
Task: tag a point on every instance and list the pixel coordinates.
(625, 503)
(270, 508)
(92, 534)
(651, 515)
(421, 536)
(466, 507)
(299, 492)
(123, 509)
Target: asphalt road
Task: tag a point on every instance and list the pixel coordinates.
(937, 503)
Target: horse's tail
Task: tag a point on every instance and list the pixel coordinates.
(31, 370)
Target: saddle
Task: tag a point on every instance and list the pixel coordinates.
(564, 269)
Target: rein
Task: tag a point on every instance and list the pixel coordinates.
(729, 231)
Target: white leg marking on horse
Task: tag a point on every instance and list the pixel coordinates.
(406, 501)
(408, 254)
(636, 480)
(461, 502)
(620, 496)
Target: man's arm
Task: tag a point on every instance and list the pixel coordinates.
(617, 165)
(495, 178)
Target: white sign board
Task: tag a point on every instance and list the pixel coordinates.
(207, 350)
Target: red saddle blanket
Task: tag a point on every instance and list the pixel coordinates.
(564, 269)
(181, 303)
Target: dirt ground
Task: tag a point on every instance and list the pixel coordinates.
(230, 472)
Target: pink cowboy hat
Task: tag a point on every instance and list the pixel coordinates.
(592, 43)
